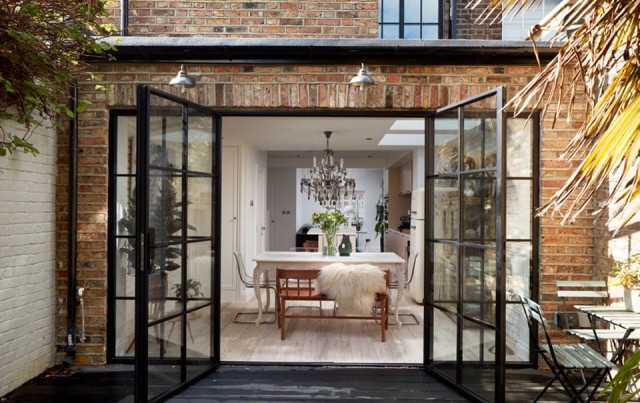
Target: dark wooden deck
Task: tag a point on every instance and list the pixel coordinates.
(243, 383)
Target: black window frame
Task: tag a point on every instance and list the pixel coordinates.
(401, 24)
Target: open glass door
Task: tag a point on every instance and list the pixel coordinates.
(178, 238)
(481, 192)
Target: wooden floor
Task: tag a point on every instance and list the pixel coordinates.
(321, 340)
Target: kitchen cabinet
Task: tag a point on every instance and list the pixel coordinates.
(406, 178)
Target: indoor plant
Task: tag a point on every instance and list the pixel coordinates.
(192, 288)
(382, 219)
(329, 222)
(627, 274)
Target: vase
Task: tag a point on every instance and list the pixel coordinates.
(345, 247)
(632, 299)
(329, 249)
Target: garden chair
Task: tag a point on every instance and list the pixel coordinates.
(566, 359)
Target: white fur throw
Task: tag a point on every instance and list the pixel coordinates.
(353, 287)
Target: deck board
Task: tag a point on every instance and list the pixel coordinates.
(256, 383)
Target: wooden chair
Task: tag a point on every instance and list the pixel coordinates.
(565, 359)
(597, 293)
(300, 285)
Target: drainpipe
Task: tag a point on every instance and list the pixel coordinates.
(124, 17)
(72, 231)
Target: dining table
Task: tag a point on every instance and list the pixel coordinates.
(618, 317)
(266, 263)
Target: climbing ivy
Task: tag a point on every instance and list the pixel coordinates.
(44, 46)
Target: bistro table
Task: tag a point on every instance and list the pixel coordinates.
(619, 317)
(267, 262)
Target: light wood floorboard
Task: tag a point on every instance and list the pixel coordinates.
(328, 341)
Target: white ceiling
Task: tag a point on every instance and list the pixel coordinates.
(293, 141)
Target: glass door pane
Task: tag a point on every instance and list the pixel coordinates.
(463, 182)
(176, 296)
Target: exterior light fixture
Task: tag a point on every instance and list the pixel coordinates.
(362, 79)
(328, 182)
(183, 79)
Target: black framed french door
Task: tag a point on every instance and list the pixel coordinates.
(177, 300)
(479, 241)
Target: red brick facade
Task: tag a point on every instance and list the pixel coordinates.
(344, 19)
(567, 251)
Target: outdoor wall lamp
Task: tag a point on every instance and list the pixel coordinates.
(362, 79)
(183, 79)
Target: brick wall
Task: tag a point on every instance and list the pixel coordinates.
(247, 19)
(468, 27)
(27, 260)
(567, 249)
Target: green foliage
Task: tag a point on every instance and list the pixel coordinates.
(382, 216)
(627, 375)
(627, 274)
(192, 286)
(329, 221)
(43, 45)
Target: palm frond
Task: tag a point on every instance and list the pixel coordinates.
(600, 59)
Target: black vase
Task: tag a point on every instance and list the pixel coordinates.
(345, 247)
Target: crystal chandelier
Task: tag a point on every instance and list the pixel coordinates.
(328, 180)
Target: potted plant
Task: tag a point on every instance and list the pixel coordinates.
(192, 288)
(627, 274)
(329, 222)
(382, 219)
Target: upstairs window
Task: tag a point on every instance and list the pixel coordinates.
(409, 19)
(516, 25)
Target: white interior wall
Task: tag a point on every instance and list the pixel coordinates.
(367, 180)
(251, 160)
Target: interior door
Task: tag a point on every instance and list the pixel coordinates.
(465, 234)
(178, 253)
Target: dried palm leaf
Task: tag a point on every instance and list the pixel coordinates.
(599, 59)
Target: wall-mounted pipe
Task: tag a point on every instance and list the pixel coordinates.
(72, 211)
(124, 17)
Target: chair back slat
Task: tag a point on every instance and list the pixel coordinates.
(582, 289)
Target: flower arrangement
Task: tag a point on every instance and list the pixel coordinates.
(329, 222)
(627, 274)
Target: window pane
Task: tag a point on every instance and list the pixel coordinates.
(519, 195)
(430, 11)
(429, 32)
(519, 147)
(391, 11)
(390, 31)
(126, 152)
(411, 32)
(411, 11)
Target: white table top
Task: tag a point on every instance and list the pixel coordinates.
(316, 257)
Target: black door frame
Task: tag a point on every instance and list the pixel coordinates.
(143, 248)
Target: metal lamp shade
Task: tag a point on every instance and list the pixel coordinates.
(183, 79)
(362, 79)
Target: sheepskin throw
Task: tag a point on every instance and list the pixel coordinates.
(353, 287)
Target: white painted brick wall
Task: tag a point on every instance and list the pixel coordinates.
(27, 260)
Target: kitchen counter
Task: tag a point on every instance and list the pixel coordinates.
(399, 233)
(397, 242)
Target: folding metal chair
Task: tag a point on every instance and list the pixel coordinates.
(565, 359)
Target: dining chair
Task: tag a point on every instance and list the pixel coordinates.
(564, 360)
(247, 280)
(408, 277)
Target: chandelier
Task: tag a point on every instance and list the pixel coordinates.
(328, 180)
